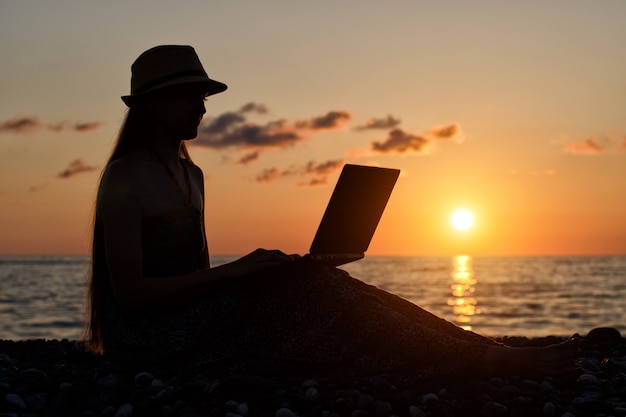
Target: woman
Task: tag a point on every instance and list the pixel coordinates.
(155, 301)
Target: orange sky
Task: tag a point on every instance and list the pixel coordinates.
(515, 112)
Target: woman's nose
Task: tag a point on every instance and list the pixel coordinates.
(201, 107)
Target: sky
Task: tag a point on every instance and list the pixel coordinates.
(515, 111)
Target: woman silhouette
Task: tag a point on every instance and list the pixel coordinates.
(155, 301)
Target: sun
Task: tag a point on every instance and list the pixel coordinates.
(462, 219)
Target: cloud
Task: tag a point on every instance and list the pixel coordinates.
(246, 159)
(234, 130)
(86, 126)
(76, 127)
(314, 182)
(269, 175)
(37, 188)
(20, 124)
(452, 131)
(388, 122)
(332, 120)
(253, 108)
(586, 147)
(323, 168)
(31, 124)
(75, 167)
(320, 172)
(609, 143)
(400, 141)
(317, 172)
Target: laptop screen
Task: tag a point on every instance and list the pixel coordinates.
(354, 210)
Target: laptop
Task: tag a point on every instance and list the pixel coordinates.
(352, 215)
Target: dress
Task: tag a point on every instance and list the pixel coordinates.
(296, 319)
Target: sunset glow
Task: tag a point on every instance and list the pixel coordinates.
(484, 106)
(462, 219)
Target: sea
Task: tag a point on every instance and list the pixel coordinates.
(43, 297)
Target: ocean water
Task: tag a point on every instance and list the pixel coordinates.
(43, 297)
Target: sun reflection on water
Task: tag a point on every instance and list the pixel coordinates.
(463, 304)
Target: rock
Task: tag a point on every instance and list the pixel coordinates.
(125, 410)
(430, 397)
(164, 393)
(588, 378)
(365, 401)
(66, 387)
(231, 405)
(309, 383)
(16, 401)
(242, 409)
(284, 412)
(4, 388)
(34, 373)
(143, 378)
(108, 411)
(312, 394)
(5, 360)
(620, 411)
(109, 383)
(37, 401)
(493, 409)
(168, 411)
(590, 365)
(604, 336)
(546, 387)
(415, 411)
(381, 408)
(548, 409)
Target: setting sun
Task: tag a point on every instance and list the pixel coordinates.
(462, 219)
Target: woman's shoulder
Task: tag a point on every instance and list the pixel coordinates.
(122, 170)
(195, 171)
(124, 178)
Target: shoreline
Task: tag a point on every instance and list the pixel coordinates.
(60, 377)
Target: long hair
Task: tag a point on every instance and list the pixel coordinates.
(135, 133)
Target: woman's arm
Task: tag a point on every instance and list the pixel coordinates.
(120, 208)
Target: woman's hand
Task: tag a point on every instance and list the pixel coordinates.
(259, 260)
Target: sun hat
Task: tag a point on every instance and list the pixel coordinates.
(165, 66)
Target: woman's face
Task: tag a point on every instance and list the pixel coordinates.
(178, 110)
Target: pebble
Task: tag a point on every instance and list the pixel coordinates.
(109, 382)
(242, 409)
(284, 412)
(108, 411)
(16, 401)
(365, 401)
(415, 411)
(493, 409)
(125, 410)
(144, 378)
(381, 408)
(548, 409)
(4, 359)
(312, 394)
(431, 396)
(588, 378)
(57, 375)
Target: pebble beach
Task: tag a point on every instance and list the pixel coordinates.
(62, 378)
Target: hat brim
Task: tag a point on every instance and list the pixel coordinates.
(212, 87)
